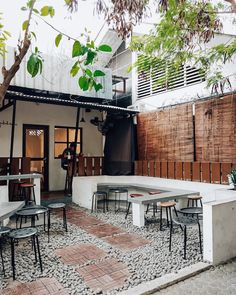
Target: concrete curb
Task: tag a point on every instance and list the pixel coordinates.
(167, 280)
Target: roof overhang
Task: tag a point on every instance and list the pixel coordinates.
(19, 96)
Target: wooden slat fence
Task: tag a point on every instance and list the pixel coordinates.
(191, 171)
(89, 166)
(19, 165)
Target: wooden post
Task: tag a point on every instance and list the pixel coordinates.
(12, 134)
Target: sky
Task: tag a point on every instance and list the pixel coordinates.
(71, 24)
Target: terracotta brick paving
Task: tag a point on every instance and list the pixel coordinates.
(105, 275)
(44, 286)
(80, 254)
(126, 241)
(104, 230)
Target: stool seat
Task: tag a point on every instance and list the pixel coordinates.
(168, 204)
(184, 220)
(23, 233)
(195, 197)
(135, 195)
(4, 230)
(57, 205)
(27, 184)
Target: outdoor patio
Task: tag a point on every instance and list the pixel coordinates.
(102, 253)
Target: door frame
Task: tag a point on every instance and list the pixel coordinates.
(46, 149)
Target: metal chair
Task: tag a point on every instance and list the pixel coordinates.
(95, 198)
(184, 222)
(194, 201)
(24, 233)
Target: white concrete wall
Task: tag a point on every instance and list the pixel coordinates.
(3, 193)
(51, 115)
(219, 230)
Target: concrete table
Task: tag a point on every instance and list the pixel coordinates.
(7, 209)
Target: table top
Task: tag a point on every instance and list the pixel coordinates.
(165, 194)
(7, 209)
(32, 211)
(191, 210)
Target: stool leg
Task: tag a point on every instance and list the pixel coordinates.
(127, 212)
(44, 224)
(192, 203)
(176, 214)
(3, 268)
(188, 203)
(171, 225)
(107, 201)
(196, 203)
(13, 259)
(21, 221)
(170, 216)
(64, 218)
(161, 219)
(92, 203)
(33, 193)
(154, 210)
(147, 208)
(200, 241)
(201, 202)
(35, 250)
(104, 203)
(185, 240)
(40, 260)
(48, 225)
(167, 216)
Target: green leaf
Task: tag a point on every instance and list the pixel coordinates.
(90, 57)
(105, 48)
(34, 35)
(23, 8)
(89, 72)
(98, 73)
(35, 11)
(97, 86)
(24, 25)
(83, 83)
(77, 49)
(74, 70)
(129, 69)
(58, 39)
(45, 11)
(34, 64)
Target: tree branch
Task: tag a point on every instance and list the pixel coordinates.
(8, 75)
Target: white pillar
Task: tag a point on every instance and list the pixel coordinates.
(37, 191)
(138, 214)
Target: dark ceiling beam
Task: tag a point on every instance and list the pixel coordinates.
(6, 106)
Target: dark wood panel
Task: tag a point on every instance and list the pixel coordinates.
(158, 169)
(196, 174)
(225, 170)
(25, 165)
(81, 166)
(151, 168)
(3, 169)
(89, 166)
(164, 169)
(206, 172)
(187, 171)
(179, 170)
(215, 173)
(145, 168)
(171, 170)
(97, 166)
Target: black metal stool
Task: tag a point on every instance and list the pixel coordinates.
(183, 222)
(194, 200)
(3, 231)
(117, 191)
(168, 205)
(56, 206)
(24, 233)
(131, 196)
(28, 192)
(95, 197)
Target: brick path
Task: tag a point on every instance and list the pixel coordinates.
(80, 254)
(105, 275)
(43, 286)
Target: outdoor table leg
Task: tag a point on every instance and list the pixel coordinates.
(138, 214)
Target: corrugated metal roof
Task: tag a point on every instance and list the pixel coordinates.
(19, 96)
(55, 76)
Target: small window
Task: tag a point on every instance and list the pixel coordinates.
(63, 136)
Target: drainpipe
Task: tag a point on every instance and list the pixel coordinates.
(12, 135)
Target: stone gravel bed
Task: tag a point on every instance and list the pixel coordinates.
(145, 263)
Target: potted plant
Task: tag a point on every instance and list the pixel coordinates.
(232, 177)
